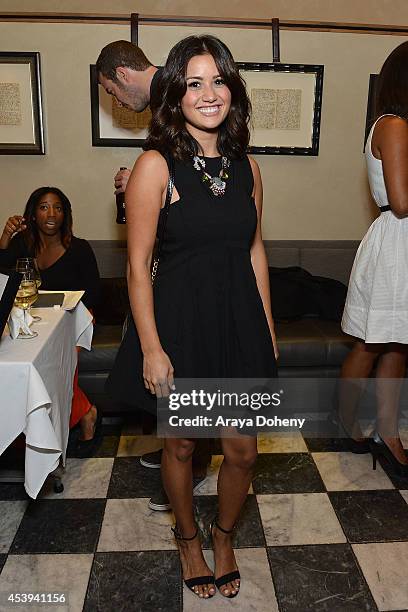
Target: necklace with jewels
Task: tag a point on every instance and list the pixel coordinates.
(216, 184)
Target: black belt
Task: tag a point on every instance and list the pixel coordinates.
(384, 208)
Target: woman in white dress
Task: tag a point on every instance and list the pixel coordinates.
(376, 310)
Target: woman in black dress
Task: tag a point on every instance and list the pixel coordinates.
(209, 314)
(65, 262)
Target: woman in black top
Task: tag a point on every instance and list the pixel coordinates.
(65, 263)
(45, 232)
(209, 314)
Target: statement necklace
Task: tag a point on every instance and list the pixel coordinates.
(216, 184)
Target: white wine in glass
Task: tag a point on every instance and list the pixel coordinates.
(29, 264)
(27, 294)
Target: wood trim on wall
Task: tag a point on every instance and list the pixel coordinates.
(310, 26)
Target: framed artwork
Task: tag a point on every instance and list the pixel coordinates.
(286, 107)
(21, 118)
(371, 103)
(114, 125)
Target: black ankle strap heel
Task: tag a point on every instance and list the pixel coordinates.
(198, 580)
(215, 523)
(226, 578)
(178, 535)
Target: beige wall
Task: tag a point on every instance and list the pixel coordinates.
(305, 198)
(351, 11)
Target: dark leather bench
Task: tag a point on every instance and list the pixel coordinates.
(311, 347)
(308, 347)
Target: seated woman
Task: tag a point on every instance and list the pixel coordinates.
(65, 263)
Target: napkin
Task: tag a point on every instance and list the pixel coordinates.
(17, 322)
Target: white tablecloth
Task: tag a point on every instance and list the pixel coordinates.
(36, 379)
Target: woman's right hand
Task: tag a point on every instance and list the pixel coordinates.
(14, 225)
(158, 373)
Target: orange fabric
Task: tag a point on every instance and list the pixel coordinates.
(80, 403)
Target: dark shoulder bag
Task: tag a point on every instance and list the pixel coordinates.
(160, 230)
(163, 218)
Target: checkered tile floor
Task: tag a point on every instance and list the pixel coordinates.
(319, 531)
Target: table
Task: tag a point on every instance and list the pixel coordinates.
(36, 380)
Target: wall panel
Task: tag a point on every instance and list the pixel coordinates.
(305, 198)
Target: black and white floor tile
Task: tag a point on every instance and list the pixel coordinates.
(320, 531)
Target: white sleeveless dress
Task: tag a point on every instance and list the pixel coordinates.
(376, 308)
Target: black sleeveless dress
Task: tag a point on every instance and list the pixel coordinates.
(208, 310)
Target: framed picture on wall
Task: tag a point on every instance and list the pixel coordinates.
(286, 107)
(114, 125)
(21, 118)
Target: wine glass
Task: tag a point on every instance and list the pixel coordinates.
(29, 264)
(37, 273)
(24, 263)
(37, 277)
(27, 294)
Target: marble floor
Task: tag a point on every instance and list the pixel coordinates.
(320, 531)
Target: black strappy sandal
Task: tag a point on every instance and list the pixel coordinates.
(199, 580)
(235, 575)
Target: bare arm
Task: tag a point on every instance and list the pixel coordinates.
(390, 143)
(258, 256)
(145, 192)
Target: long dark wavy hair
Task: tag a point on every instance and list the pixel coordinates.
(168, 133)
(31, 235)
(392, 96)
